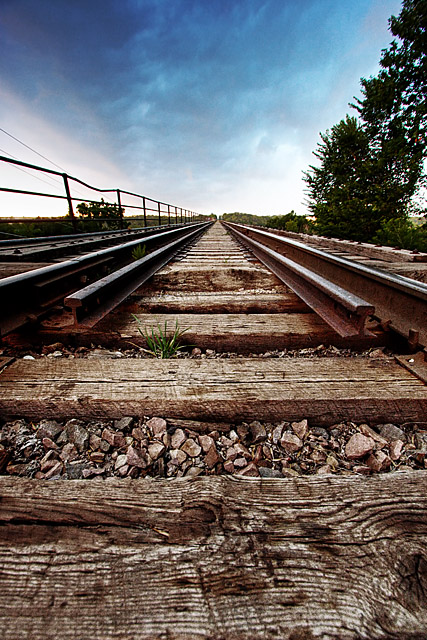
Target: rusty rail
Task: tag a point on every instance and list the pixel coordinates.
(92, 303)
(342, 310)
(46, 248)
(27, 296)
(399, 302)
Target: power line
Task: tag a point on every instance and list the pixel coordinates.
(45, 158)
(51, 184)
(56, 182)
(33, 150)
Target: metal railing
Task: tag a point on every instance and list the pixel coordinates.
(160, 209)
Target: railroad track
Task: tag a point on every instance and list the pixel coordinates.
(234, 290)
(295, 358)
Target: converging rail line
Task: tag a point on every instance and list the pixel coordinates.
(32, 293)
(332, 286)
(237, 489)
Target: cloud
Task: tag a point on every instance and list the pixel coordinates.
(192, 99)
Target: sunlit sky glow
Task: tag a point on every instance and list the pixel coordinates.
(213, 105)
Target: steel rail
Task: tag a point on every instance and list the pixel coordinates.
(400, 303)
(26, 296)
(343, 311)
(92, 303)
(21, 240)
(47, 248)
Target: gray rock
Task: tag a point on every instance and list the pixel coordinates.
(320, 432)
(68, 453)
(206, 442)
(229, 466)
(378, 461)
(231, 454)
(74, 470)
(266, 472)
(123, 423)
(258, 432)
(395, 449)
(251, 471)
(54, 472)
(242, 450)
(421, 441)
(77, 434)
(191, 448)
(290, 442)
(157, 425)
(277, 434)
(156, 449)
(193, 472)
(49, 429)
(390, 432)
(114, 438)
(95, 441)
(300, 428)
(177, 456)
(178, 439)
(136, 458)
(121, 461)
(62, 439)
(324, 470)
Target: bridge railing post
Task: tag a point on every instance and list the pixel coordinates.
(70, 202)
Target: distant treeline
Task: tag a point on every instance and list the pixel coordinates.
(409, 233)
(288, 222)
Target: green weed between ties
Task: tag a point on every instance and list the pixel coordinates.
(160, 345)
(139, 252)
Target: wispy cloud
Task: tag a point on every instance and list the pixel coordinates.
(208, 102)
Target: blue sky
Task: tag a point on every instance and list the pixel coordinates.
(212, 105)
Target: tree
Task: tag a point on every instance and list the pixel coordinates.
(370, 169)
(290, 222)
(342, 189)
(394, 104)
(99, 210)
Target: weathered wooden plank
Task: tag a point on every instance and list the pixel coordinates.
(220, 302)
(242, 333)
(386, 254)
(326, 390)
(416, 271)
(11, 269)
(216, 557)
(177, 277)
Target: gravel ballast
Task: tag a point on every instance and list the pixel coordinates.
(169, 448)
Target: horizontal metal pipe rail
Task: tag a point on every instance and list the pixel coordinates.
(166, 211)
(92, 303)
(27, 296)
(400, 303)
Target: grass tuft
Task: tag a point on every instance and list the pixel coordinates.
(139, 252)
(160, 344)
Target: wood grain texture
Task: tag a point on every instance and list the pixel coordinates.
(240, 332)
(218, 302)
(326, 390)
(178, 277)
(386, 254)
(11, 268)
(220, 558)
